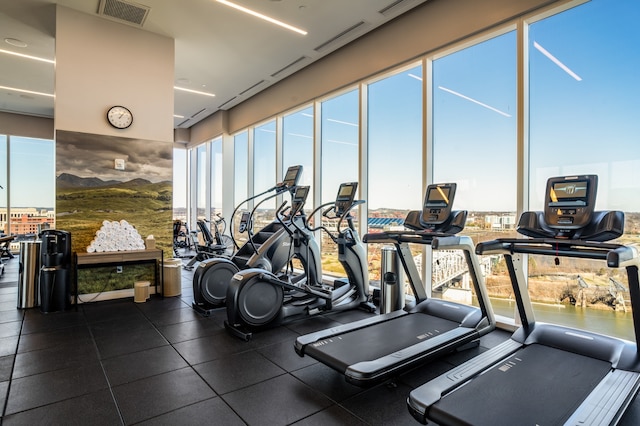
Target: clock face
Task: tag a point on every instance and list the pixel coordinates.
(119, 117)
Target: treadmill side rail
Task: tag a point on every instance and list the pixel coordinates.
(421, 398)
(607, 402)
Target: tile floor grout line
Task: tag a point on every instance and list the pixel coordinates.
(13, 364)
(104, 372)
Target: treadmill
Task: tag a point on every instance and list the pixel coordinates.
(375, 349)
(547, 374)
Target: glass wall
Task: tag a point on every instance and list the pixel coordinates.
(27, 196)
(584, 109)
(395, 155)
(201, 182)
(240, 180)
(180, 184)
(339, 162)
(216, 177)
(264, 171)
(474, 146)
(4, 184)
(297, 147)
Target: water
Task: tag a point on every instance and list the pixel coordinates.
(609, 322)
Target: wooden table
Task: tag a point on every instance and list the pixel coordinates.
(113, 258)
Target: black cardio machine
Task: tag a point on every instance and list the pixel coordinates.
(376, 349)
(268, 249)
(257, 298)
(547, 374)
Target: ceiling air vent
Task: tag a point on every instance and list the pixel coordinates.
(227, 103)
(124, 11)
(252, 87)
(346, 36)
(399, 6)
(289, 67)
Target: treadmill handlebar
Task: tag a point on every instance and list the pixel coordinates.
(620, 255)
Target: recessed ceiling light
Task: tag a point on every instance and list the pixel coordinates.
(197, 92)
(35, 58)
(261, 16)
(14, 89)
(15, 42)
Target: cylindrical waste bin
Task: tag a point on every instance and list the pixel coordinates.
(391, 281)
(172, 272)
(28, 270)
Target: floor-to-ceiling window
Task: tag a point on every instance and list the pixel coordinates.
(201, 182)
(240, 181)
(180, 184)
(394, 155)
(215, 186)
(339, 161)
(4, 202)
(584, 108)
(264, 171)
(474, 146)
(27, 196)
(297, 147)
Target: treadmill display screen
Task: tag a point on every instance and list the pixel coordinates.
(344, 199)
(438, 202)
(569, 191)
(437, 197)
(570, 201)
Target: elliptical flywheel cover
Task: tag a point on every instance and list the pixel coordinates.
(259, 302)
(215, 281)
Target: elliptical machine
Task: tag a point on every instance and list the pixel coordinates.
(257, 298)
(267, 249)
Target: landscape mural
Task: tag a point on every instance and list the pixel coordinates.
(90, 189)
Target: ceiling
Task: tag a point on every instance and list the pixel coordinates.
(217, 48)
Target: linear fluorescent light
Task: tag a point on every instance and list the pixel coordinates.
(415, 76)
(193, 91)
(178, 116)
(261, 16)
(556, 61)
(22, 55)
(31, 92)
(474, 101)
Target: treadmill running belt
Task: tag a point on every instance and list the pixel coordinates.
(370, 343)
(538, 385)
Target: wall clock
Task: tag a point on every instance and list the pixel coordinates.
(119, 117)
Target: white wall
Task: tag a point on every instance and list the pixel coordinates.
(100, 63)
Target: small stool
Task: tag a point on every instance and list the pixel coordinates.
(141, 291)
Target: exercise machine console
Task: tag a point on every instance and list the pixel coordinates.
(547, 373)
(376, 349)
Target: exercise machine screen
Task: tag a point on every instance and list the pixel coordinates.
(344, 199)
(244, 221)
(291, 178)
(570, 201)
(299, 198)
(438, 202)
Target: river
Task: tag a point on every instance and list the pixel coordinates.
(609, 322)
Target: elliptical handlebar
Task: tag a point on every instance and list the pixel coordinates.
(345, 215)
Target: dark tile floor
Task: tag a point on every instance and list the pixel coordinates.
(158, 362)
